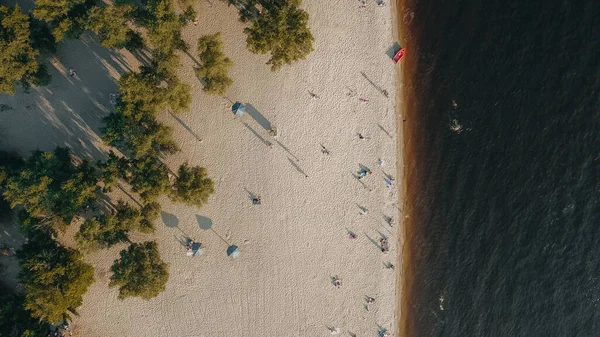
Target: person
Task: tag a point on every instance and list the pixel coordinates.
(256, 201)
(72, 72)
(352, 235)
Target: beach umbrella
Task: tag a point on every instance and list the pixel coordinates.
(238, 109)
(233, 251)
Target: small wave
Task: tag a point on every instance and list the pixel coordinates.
(455, 126)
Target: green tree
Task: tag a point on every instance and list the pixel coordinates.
(192, 186)
(112, 170)
(17, 58)
(15, 320)
(140, 271)
(77, 192)
(108, 229)
(149, 212)
(142, 137)
(54, 277)
(215, 65)
(50, 187)
(281, 30)
(66, 18)
(111, 25)
(41, 35)
(148, 176)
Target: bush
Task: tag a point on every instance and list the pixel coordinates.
(215, 65)
(192, 186)
(140, 271)
(283, 31)
(55, 278)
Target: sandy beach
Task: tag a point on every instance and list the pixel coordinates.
(297, 239)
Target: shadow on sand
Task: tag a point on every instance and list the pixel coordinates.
(258, 117)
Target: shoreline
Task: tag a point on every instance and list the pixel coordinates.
(400, 173)
(403, 98)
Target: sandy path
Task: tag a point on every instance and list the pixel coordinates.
(296, 240)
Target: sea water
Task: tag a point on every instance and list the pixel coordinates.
(503, 167)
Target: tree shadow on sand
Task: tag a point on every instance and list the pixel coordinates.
(69, 111)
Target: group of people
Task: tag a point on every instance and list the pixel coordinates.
(363, 3)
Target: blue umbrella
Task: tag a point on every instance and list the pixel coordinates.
(233, 251)
(238, 109)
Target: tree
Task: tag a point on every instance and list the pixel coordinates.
(65, 17)
(50, 187)
(15, 320)
(54, 277)
(77, 192)
(192, 186)
(41, 35)
(18, 63)
(150, 212)
(148, 176)
(109, 229)
(215, 65)
(140, 271)
(111, 25)
(112, 170)
(281, 30)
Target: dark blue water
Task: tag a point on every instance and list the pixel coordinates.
(505, 215)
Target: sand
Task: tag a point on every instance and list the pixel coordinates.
(294, 242)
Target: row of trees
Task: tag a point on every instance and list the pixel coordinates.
(280, 29)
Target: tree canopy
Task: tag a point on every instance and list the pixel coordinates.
(49, 186)
(215, 65)
(140, 271)
(15, 320)
(65, 17)
(55, 278)
(111, 24)
(108, 229)
(192, 186)
(282, 30)
(18, 62)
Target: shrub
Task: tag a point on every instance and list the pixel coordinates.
(140, 271)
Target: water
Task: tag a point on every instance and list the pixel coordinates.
(504, 214)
